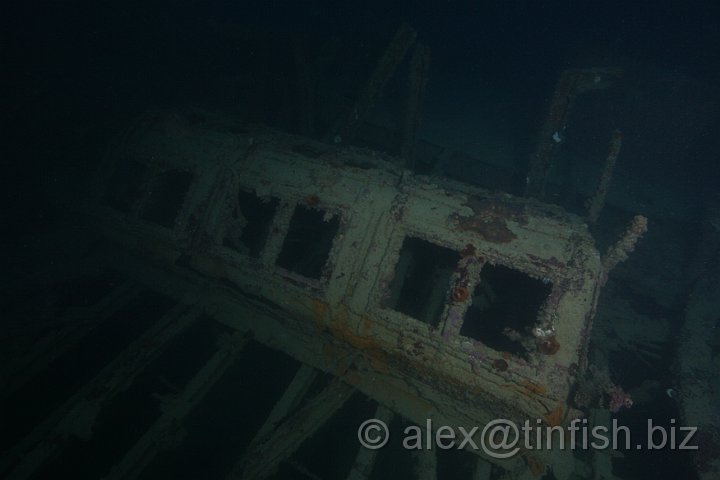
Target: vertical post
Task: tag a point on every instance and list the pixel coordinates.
(306, 98)
(572, 82)
(597, 202)
(551, 134)
(626, 243)
(365, 458)
(419, 66)
(385, 68)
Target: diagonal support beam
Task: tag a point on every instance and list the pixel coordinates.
(289, 401)
(264, 456)
(365, 459)
(384, 70)
(77, 415)
(167, 431)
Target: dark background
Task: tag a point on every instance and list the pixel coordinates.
(74, 71)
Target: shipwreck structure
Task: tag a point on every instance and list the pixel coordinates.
(435, 300)
(438, 300)
(245, 298)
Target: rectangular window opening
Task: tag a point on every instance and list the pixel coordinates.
(251, 224)
(505, 307)
(308, 242)
(422, 278)
(167, 197)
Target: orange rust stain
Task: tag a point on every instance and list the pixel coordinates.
(353, 378)
(549, 346)
(328, 350)
(384, 362)
(460, 294)
(342, 367)
(319, 309)
(378, 359)
(529, 388)
(378, 364)
(366, 325)
(535, 465)
(398, 393)
(532, 388)
(468, 251)
(342, 331)
(556, 416)
(492, 230)
(312, 200)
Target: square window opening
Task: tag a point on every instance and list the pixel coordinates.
(422, 278)
(505, 306)
(251, 224)
(167, 197)
(308, 242)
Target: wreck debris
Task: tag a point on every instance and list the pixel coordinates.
(595, 390)
(365, 459)
(571, 83)
(698, 387)
(602, 460)
(56, 430)
(596, 203)
(626, 243)
(267, 453)
(426, 464)
(404, 289)
(167, 431)
(288, 403)
(65, 335)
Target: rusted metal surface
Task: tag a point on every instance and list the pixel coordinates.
(314, 249)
